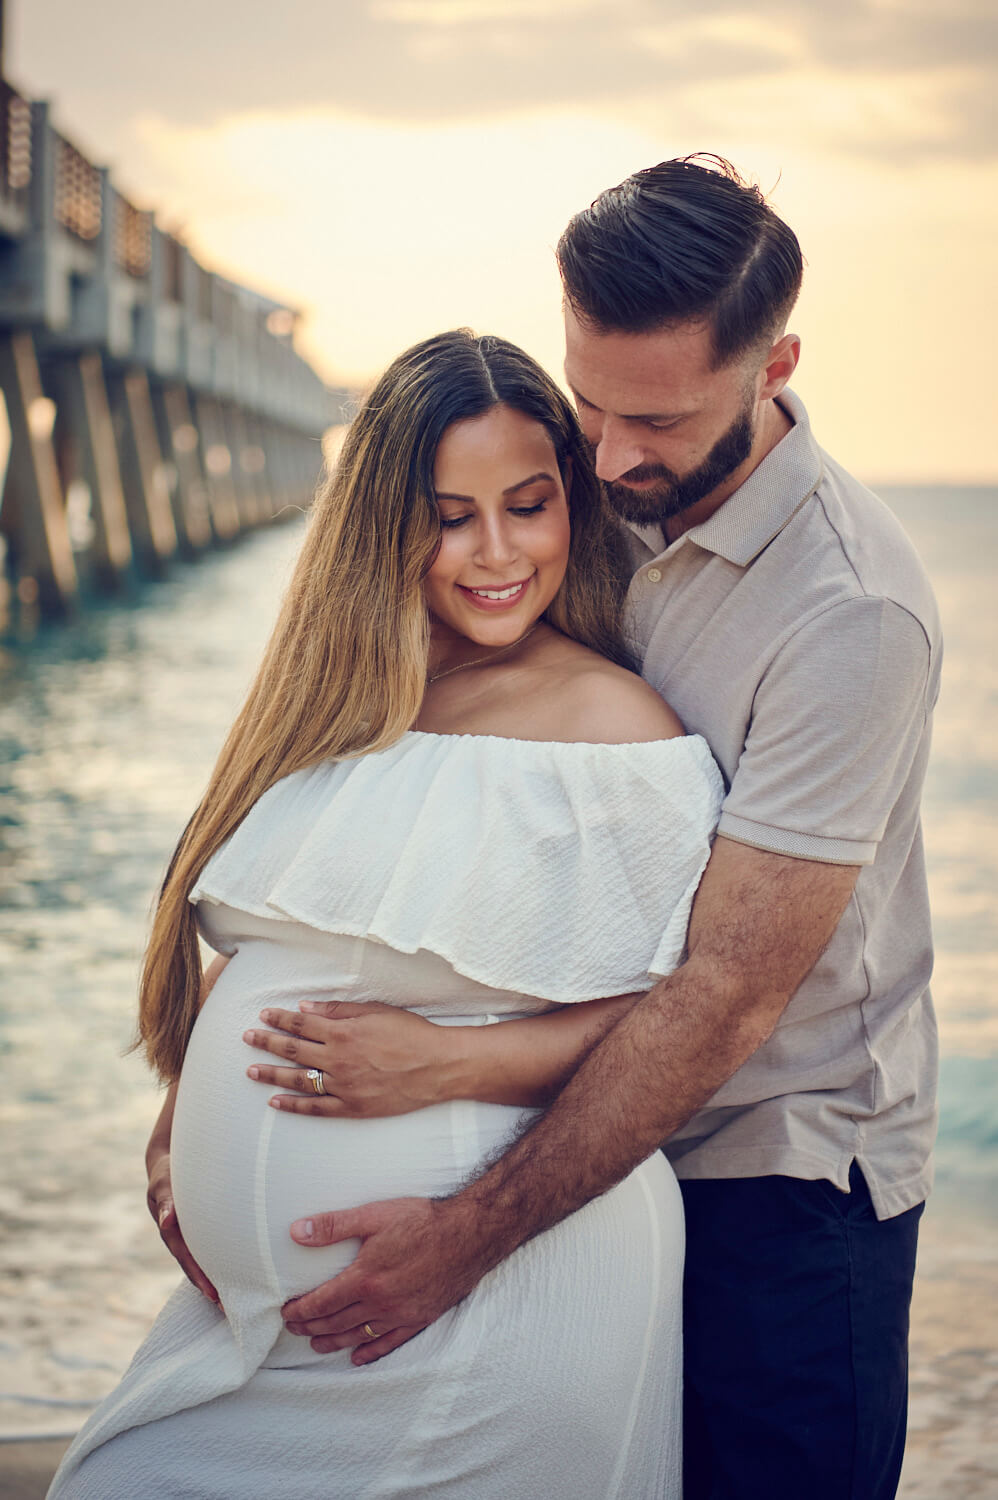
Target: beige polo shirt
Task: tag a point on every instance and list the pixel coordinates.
(796, 630)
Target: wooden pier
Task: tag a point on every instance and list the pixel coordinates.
(149, 407)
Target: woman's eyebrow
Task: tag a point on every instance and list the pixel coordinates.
(521, 484)
(532, 479)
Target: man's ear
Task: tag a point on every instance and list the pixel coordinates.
(781, 362)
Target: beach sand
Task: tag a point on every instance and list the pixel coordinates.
(953, 1420)
(26, 1469)
(952, 1451)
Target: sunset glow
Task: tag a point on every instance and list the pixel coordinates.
(432, 193)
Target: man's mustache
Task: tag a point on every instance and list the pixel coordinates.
(639, 475)
(644, 472)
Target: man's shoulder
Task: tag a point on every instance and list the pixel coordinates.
(868, 547)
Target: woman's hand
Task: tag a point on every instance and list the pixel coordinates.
(375, 1059)
(159, 1193)
(378, 1060)
(160, 1200)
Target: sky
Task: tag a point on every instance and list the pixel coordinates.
(396, 167)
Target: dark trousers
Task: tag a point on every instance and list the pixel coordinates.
(796, 1338)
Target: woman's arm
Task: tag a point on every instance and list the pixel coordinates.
(380, 1060)
(159, 1194)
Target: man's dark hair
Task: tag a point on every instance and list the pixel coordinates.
(685, 241)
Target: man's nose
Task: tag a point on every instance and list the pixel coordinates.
(617, 451)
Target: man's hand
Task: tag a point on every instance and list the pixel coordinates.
(159, 1197)
(416, 1260)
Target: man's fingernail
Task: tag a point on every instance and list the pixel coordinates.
(268, 1016)
(253, 1072)
(304, 1228)
(307, 1004)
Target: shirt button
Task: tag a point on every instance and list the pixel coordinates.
(654, 575)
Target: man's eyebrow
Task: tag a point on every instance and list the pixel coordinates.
(637, 416)
(521, 484)
(580, 398)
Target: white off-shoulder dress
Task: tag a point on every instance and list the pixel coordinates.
(472, 879)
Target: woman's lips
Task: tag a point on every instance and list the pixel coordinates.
(485, 598)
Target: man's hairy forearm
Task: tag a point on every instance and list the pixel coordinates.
(659, 1064)
(759, 924)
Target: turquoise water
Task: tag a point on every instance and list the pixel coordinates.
(107, 733)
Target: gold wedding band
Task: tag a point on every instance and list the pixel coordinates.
(315, 1074)
(370, 1331)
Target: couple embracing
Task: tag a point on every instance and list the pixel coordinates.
(573, 811)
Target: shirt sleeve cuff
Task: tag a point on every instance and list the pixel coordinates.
(797, 845)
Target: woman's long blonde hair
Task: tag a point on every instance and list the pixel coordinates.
(345, 670)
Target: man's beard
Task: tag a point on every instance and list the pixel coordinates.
(674, 494)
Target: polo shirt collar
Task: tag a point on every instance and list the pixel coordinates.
(761, 507)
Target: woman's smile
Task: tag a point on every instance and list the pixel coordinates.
(502, 596)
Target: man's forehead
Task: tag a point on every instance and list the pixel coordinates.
(640, 373)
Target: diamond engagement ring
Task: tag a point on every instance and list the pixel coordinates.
(315, 1075)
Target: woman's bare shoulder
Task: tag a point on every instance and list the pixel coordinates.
(595, 700)
(610, 706)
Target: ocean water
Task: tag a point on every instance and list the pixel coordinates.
(107, 733)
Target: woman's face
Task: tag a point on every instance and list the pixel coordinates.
(504, 528)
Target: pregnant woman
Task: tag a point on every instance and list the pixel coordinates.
(447, 792)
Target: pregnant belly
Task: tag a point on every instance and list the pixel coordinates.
(242, 1172)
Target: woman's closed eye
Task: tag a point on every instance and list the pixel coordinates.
(451, 523)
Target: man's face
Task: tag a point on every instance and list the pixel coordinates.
(667, 432)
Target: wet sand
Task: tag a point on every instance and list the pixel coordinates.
(952, 1447)
(26, 1469)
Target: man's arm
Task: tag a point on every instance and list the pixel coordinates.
(759, 924)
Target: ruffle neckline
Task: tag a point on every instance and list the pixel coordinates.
(564, 871)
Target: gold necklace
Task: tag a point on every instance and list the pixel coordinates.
(480, 659)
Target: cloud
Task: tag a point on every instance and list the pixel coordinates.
(446, 60)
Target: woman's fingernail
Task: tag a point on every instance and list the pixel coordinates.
(304, 1228)
(306, 1005)
(253, 1072)
(249, 1036)
(268, 1016)
(276, 1102)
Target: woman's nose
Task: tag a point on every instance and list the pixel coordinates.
(497, 547)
